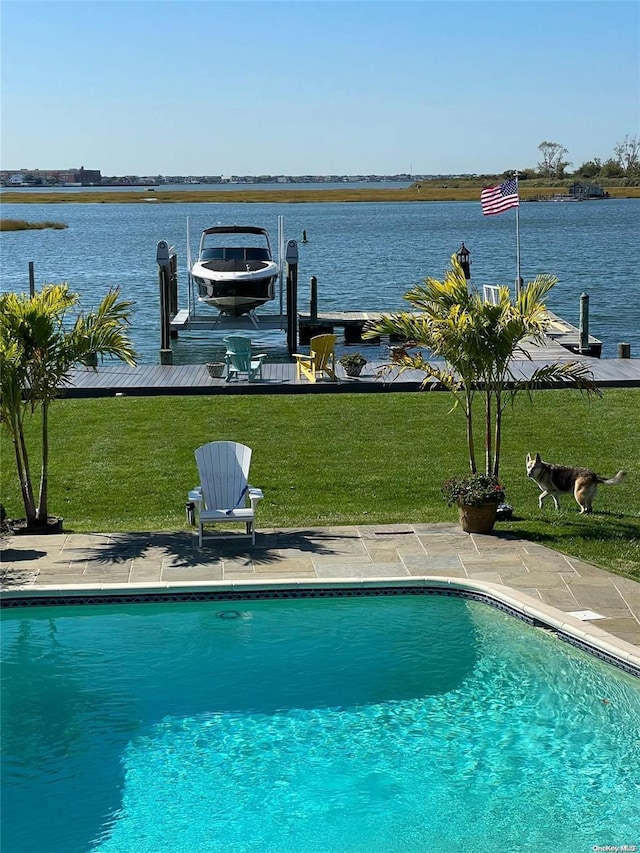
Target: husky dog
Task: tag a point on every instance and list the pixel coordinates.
(555, 479)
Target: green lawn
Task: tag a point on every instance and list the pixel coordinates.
(126, 464)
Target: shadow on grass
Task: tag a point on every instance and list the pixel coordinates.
(183, 551)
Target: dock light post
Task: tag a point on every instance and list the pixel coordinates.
(464, 256)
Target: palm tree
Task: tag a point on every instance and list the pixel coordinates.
(38, 350)
(476, 342)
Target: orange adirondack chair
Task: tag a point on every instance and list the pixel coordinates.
(321, 359)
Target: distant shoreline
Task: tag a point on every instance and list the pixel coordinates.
(289, 196)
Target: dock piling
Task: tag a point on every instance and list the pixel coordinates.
(164, 282)
(584, 323)
(291, 258)
(624, 350)
(313, 305)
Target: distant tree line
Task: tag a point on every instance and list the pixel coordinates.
(623, 166)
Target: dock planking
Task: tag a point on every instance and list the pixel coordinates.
(280, 378)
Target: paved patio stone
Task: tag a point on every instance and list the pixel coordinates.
(536, 580)
(301, 563)
(143, 570)
(622, 626)
(583, 569)
(189, 573)
(497, 559)
(555, 563)
(443, 573)
(505, 569)
(340, 560)
(105, 575)
(489, 577)
(436, 548)
(373, 531)
(595, 596)
(439, 529)
(237, 565)
(560, 598)
(14, 579)
(428, 563)
(383, 555)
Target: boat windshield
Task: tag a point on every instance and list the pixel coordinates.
(235, 254)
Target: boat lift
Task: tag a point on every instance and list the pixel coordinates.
(173, 321)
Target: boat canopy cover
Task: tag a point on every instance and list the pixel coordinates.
(234, 229)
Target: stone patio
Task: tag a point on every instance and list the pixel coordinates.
(327, 554)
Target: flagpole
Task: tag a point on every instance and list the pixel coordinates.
(518, 279)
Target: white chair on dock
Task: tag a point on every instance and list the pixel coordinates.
(224, 491)
(491, 293)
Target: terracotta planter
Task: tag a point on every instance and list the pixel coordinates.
(478, 519)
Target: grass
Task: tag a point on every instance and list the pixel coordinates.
(23, 225)
(126, 464)
(426, 192)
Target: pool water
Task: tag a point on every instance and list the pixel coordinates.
(340, 725)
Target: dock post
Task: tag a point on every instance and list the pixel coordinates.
(313, 307)
(164, 276)
(291, 258)
(624, 350)
(584, 323)
(32, 281)
(173, 291)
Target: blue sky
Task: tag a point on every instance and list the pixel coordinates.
(309, 87)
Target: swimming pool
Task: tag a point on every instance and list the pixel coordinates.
(339, 725)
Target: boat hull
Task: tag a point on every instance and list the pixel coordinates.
(232, 293)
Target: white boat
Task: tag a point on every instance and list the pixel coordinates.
(235, 271)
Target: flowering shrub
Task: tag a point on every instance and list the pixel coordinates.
(473, 490)
(352, 359)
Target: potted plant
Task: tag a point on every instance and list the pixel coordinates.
(352, 362)
(216, 369)
(477, 497)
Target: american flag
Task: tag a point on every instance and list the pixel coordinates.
(497, 199)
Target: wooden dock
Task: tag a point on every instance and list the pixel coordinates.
(280, 378)
(353, 324)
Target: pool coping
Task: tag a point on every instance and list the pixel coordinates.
(589, 637)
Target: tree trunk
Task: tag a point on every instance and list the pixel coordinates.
(470, 448)
(42, 512)
(488, 436)
(22, 464)
(498, 436)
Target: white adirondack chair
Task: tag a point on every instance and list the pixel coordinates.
(224, 491)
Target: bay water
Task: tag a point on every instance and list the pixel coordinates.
(365, 256)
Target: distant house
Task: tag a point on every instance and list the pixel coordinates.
(582, 191)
